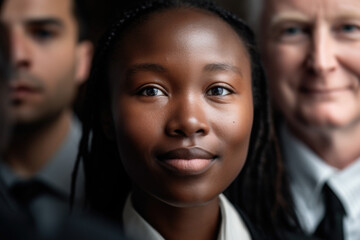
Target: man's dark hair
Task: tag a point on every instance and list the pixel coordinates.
(258, 190)
(81, 16)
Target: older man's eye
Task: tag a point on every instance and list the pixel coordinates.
(151, 92)
(292, 33)
(348, 31)
(218, 91)
(349, 28)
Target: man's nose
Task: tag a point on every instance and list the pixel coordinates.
(20, 50)
(323, 53)
(188, 119)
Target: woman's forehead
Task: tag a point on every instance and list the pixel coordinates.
(172, 19)
(182, 29)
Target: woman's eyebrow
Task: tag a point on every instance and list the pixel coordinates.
(151, 67)
(216, 67)
(145, 67)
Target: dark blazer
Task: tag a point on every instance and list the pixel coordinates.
(257, 234)
(15, 225)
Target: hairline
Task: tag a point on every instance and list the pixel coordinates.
(182, 6)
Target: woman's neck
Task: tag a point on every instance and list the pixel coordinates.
(173, 223)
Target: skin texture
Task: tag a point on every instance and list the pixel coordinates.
(50, 63)
(312, 55)
(182, 81)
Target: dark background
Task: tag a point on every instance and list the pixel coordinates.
(102, 12)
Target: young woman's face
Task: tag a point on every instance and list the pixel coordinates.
(182, 104)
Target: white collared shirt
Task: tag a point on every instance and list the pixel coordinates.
(232, 226)
(307, 175)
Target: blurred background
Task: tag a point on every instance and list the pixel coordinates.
(101, 13)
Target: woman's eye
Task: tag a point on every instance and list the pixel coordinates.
(151, 92)
(218, 91)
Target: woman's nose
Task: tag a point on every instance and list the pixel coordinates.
(188, 118)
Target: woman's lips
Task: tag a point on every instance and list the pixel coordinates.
(187, 161)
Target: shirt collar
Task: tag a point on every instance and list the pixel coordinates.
(232, 227)
(59, 170)
(57, 173)
(305, 168)
(308, 173)
(135, 226)
(346, 185)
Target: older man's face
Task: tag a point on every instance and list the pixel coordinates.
(312, 54)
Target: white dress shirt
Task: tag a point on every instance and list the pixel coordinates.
(307, 175)
(232, 226)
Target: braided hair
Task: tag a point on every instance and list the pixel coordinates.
(5, 70)
(4, 54)
(257, 190)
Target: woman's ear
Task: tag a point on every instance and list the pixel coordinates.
(108, 124)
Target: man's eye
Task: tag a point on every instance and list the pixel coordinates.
(151, 92)
(348, 31)
(42, 34)
(293, 33)
(218, 91)
(349, 28)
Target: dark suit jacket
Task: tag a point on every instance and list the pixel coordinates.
(257, 234)
(15, 225)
